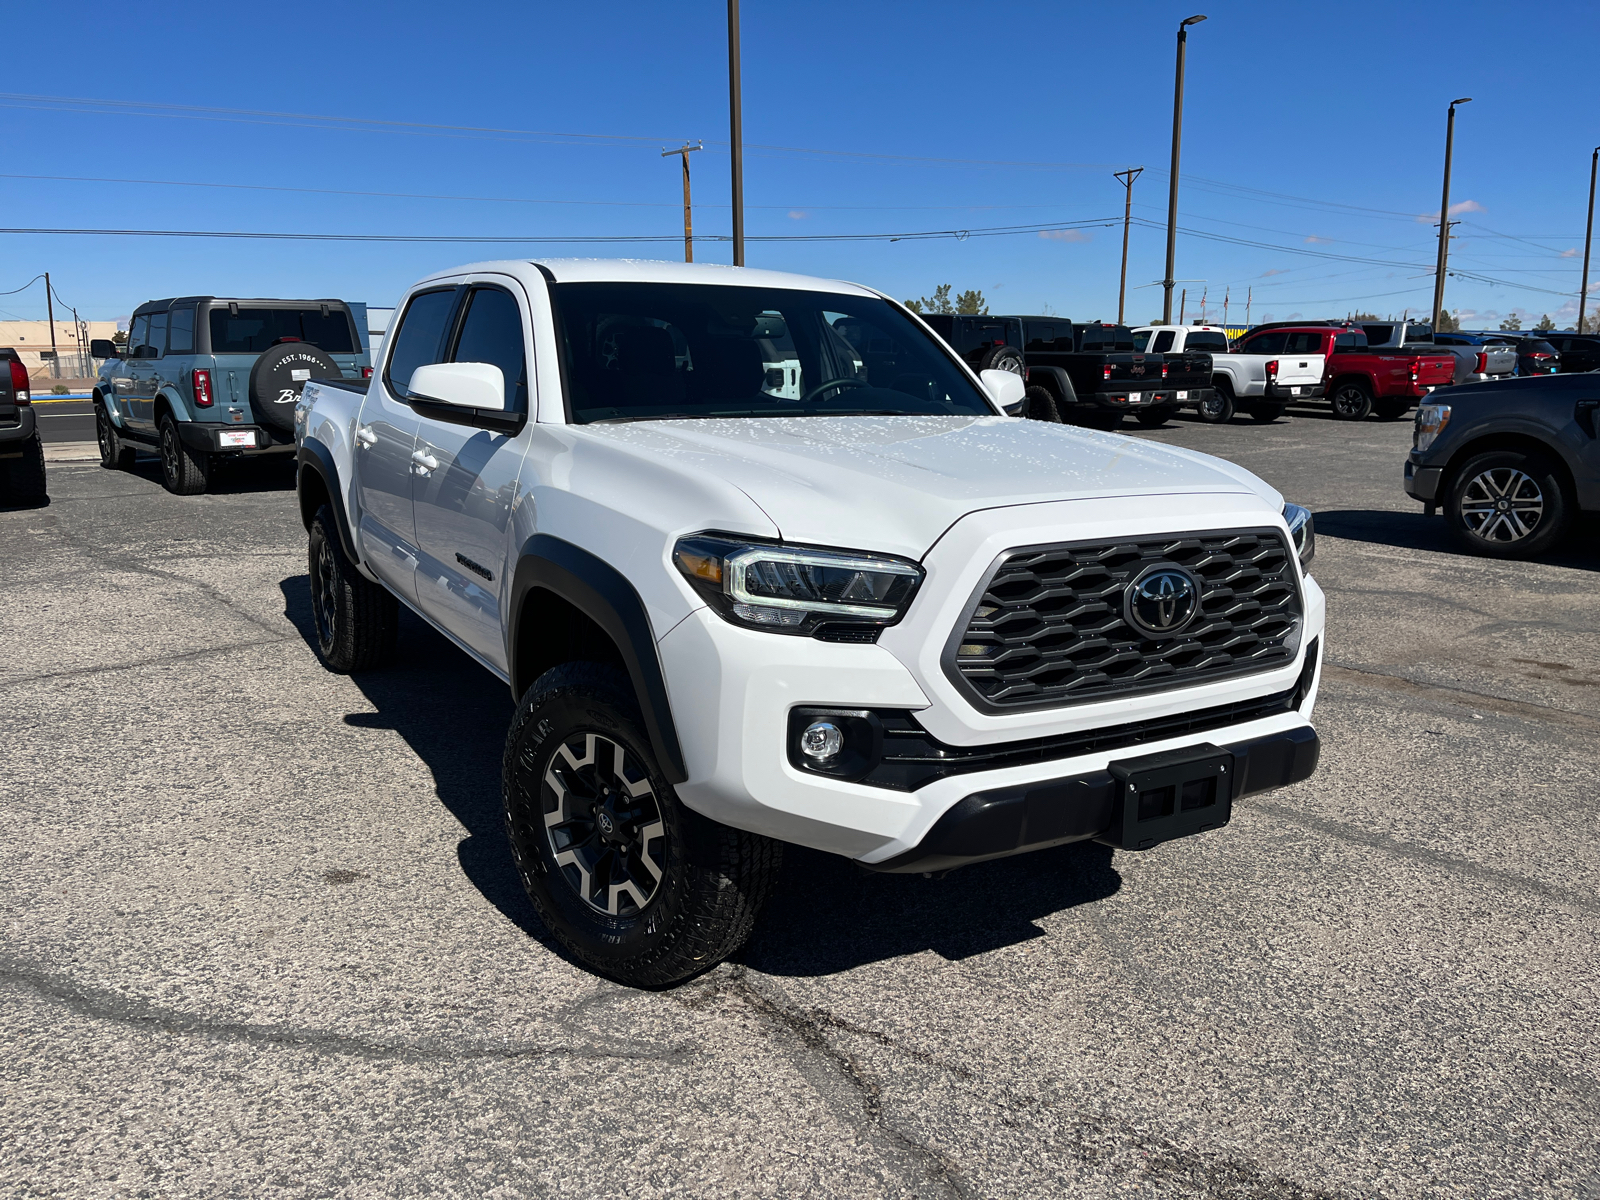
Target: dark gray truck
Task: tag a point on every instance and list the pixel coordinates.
(1513, 462)
(1091, 372)
(203, 378)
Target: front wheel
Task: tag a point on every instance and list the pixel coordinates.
(636, 886)
(1350, 401)
(1507, 504)
(184, 472)
(355, 619)
(1041, 405)
(114, 456)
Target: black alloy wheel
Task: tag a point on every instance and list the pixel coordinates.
(114, 456)
(355, 620)
(1217, 408)
(1350, 401)
(603, 825)
(184, 472)
(1507, 504)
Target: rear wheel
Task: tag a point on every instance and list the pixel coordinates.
(635, 885)
(1391, 410)
(24, 476)
(1507, 504)
(1217, 408)
(184, 472)
(1267, 413)
(1041, 405)
(355, 619)
(114, 456)
(1350, 401)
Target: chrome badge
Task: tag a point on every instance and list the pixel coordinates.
(1162, 602)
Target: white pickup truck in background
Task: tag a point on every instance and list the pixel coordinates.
(1478, 358)
(1243, 380)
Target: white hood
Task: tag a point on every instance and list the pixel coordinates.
(895, 484)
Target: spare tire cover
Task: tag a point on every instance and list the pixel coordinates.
(1003, 358)
(278, 377)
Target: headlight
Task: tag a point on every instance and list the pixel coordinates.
(1303, 530)
(1431, 420)
(837, 595)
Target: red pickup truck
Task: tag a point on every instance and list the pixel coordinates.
(1362, 379)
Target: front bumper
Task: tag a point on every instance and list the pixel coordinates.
(1286, 392)
(214, 437)
(27, 424)
(1422, 483)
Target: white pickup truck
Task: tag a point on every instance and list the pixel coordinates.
(861, 609)
(1257, 381)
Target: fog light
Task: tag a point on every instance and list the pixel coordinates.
(821, 741)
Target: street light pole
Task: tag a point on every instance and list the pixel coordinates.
(1127, 178)
(1172, 187)
(737, 121)
(1588, 238)
(688, 225)
(1444, 211)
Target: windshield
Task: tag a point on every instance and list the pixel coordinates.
(252, 330)
(654, 351)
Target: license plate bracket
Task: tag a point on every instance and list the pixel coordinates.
(1170, 795)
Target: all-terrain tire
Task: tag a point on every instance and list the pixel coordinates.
(114, 456)
(1041, 405)
(355, 620)
(24, 477)
(635, 885)
(184, 472)
(1266, 413)
(1507, 504)
(1218, 408)
(1350, 400)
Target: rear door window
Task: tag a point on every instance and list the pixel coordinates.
(420, 337)
(180, 331)
(1303, 343)
(491, 332)
(1266, 343)
(1163, 342)
(158, 333)
(138, 335)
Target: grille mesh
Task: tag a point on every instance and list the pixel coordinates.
(1049, 627)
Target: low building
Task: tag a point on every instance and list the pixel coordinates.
(31, 341)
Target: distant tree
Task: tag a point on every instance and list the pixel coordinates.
(972, 304)
(940, 303)
(1591, 324)
(1365, 316)
(120, 337)
(1545, 323)
(1447, 322)
(1511, 322)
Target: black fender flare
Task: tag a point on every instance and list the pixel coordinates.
(598, 590)
(1057, 380)
(313, 456)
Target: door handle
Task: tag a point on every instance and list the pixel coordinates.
(424, 460)
(365, 436)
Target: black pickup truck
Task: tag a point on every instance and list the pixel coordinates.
(1090, 371)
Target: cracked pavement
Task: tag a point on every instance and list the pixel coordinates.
(262, 935)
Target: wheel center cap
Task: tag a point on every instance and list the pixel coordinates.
(606, 822)
(1502, 505)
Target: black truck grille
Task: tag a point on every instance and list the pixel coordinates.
(1050, 626)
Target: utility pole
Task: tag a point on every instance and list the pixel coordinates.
(737, 121)
(1225, 292)
(688, 224)
(1444, 211)
(1183, 306)
(1250, 294)
(1131, 174)
(1172, 184)
(1588, 238)
(50, 317)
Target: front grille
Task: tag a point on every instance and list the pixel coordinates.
(1049, 627)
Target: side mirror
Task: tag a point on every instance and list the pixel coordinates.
(1007, 390)
(462, 384)
(104, 348)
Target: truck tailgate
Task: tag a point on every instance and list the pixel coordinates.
(1297, 370)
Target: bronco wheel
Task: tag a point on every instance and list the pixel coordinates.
(1350, 401)
(1507, 504)
(114, 456)
(633, 884)
(184, 472)
(1217, 408)
(355, 619)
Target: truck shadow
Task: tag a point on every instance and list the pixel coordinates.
(1413, 531)
(826, 914)
(230, 477)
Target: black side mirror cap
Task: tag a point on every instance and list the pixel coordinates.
(104, 348)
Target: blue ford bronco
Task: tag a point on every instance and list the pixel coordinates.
(203, 378)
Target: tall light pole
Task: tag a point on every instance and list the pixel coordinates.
(1444, 211)
(1588, 238)
(1172, 189)
(737, 133)
(688, 225)
(1127, 178)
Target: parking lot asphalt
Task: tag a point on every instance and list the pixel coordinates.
(65, 420)
(262, 935)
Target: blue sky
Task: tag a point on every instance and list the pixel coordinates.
(1309, 131)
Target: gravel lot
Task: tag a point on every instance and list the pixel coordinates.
(262, 936)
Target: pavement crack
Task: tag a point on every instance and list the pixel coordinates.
(1459, 697)
(142, 663)
(102, 1004)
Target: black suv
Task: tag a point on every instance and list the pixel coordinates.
(1512, 461)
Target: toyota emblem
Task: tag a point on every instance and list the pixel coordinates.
(1163, 601)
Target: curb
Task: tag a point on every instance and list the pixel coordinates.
(67, 452)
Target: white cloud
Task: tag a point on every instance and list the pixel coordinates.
(797, 215)
(1465, 206)
(1293, 317)
(1066, 235)
(1314, 240)
(1274, 271)
(1572, 253)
